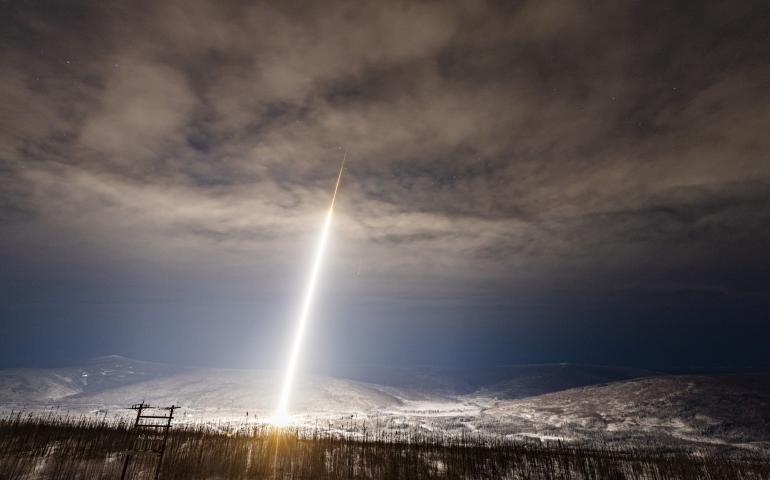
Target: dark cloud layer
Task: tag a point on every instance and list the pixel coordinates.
(525, 178)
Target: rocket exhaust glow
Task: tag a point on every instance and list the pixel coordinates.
(281, 413)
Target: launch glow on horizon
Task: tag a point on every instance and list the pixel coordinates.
(281, 415)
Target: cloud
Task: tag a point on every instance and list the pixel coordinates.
(141, 114)
(488, 142)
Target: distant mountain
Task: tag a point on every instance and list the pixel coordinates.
(114, 382)
(520, 381)
(256, 390)
(27, 385)
(43, 385)
(728, 408)
(505, 381)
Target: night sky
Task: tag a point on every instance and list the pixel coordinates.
(543, 181)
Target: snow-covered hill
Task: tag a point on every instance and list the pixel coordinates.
(732, 409)
(115, 380)
(504, 381)
(113, 383)
(562, 401)
(520, 381)
(45, 385)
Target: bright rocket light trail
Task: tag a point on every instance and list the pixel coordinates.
(281, 413)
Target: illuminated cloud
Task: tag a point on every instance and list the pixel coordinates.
(494, 147)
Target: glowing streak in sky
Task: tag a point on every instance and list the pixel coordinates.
(281, 413)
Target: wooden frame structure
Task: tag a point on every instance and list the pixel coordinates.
(151, 435)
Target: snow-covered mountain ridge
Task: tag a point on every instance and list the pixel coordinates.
(552, 401)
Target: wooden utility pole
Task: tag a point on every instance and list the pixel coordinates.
(148, 433)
